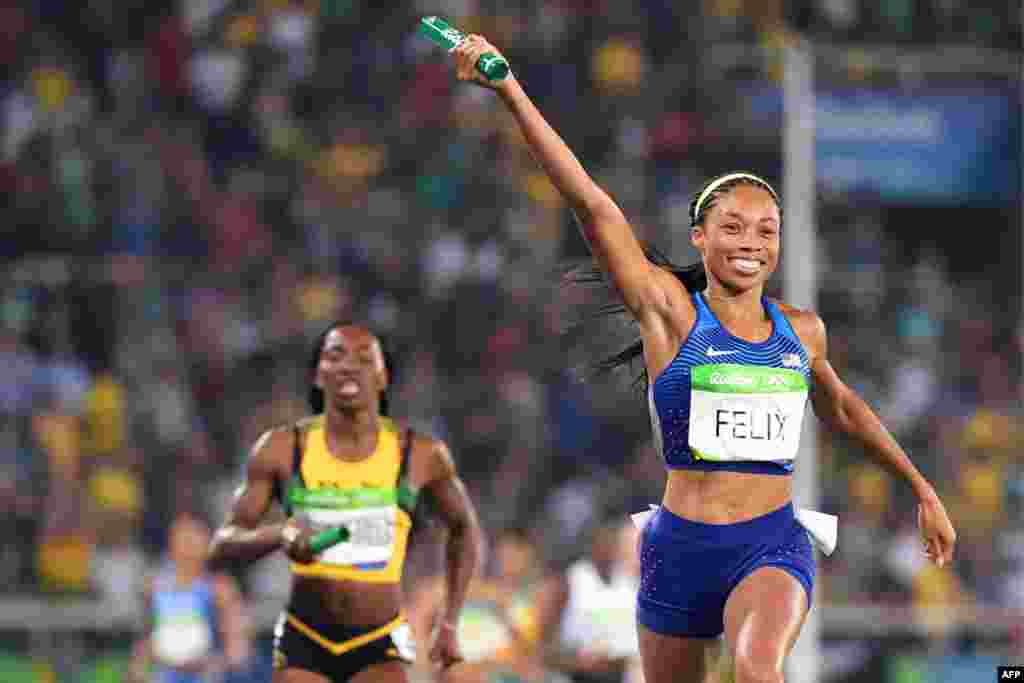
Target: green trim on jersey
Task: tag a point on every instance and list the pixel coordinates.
(728, 378)
(351, 499)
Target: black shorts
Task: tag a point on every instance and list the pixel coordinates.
(339, 652)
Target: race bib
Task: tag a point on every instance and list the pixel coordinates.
(371, 536)
(369, 514)
(746, 413)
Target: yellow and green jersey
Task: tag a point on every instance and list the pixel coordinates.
(371, 498)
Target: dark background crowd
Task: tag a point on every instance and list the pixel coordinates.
(193, 190)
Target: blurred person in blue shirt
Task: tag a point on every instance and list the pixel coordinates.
(195, 628)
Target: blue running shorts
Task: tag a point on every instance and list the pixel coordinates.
(688, 569)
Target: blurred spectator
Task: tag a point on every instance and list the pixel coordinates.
(193, 191)
(105, 423)
(498, 628)
(197, 624)
(587, 609)
(119, 561)
(17, 383)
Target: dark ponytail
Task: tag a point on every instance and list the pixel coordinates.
(613, 314)
(315, 395)
(609, 308)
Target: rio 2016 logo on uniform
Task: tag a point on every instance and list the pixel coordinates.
(741, 380)
(719, 378)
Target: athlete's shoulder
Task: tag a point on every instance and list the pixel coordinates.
(670, 312)
(802, 317)
(430, 454)
(307, 423)
(670, 287)
(419, 438)
(272, 451)
(674, 296)
(284, 434)
(430, 446)
(272, 439)
(807, 324)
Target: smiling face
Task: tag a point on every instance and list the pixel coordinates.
(351, 371)
(739, 237)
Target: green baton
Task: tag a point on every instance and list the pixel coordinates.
(493, 67)
(323, 540)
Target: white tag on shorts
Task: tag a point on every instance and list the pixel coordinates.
(640, 518)
(403, 641)
(822, 528)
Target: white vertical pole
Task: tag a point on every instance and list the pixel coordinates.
(800, 288)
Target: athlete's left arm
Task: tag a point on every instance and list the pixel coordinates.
(843, 410)
(231, 620)
(465, 539)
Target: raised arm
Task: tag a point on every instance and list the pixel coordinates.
(844, 411)
(608, 234)
(242, 537)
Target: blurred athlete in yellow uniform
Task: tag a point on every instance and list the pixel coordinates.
(350, 465)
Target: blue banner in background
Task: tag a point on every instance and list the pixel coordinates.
(936, 147)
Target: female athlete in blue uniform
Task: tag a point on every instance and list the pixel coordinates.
(729, 372)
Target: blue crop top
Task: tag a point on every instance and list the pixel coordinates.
(724, 403)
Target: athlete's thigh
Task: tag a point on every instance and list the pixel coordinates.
(293, 675)
(671, 659)
(763, 617)
(382, 672)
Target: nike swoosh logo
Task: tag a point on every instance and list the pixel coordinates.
(712, 352)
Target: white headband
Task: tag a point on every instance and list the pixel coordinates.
(715, 184)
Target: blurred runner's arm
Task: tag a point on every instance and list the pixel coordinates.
(242, 537)
(232, 622)
(464, 545)
(465, 539)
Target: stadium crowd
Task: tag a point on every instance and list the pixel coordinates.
(194, 193)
